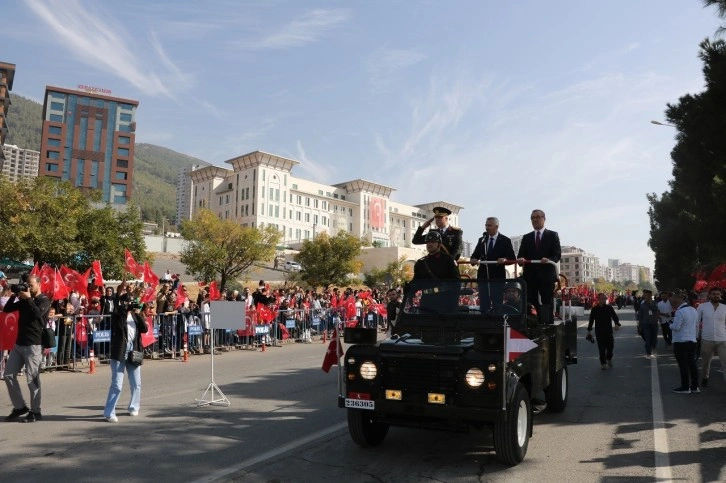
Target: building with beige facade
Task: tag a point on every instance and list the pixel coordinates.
(19, 164)
(259, 189)
(578, 265)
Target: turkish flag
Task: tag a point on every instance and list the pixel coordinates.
(8, 330)
(149, 294)
(376, 212)
(148, 338)
(60, 290)
(364, 295)
(98, 275)
(283, 331)
(517, 344)
(265, 314)
(333, 301)
(47, 276)
(74, 280)
(149, 276)
(214, 291)
(350, 311)
(35, 272)
(332, 356)
(181, 296)
(131, 266)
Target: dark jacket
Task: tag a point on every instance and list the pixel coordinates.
(502, 249)
(32, 318)
(603, 317)
(435, 266)
(549, 247)
(452, 239)
(120, 333)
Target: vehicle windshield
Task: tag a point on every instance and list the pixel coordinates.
(465, 297)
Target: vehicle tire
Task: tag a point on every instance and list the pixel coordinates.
(364, 431)
(511, 433)
(557, 392)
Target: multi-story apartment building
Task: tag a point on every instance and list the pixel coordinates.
(88, 138)
(19, 164)
(260, 190)
(184, 186)
(7, 75)
(578, 266)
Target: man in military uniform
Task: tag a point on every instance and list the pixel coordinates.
(451, 236)
(437, 264)
(434, 274)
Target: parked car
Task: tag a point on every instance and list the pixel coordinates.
(292, 266)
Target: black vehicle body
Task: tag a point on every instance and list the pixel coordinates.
(444, 367)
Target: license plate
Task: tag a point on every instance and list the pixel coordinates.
(360, 404)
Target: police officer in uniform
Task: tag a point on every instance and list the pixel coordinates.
(437, 264)
(451, 236)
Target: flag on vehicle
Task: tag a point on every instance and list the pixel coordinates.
(335, 350)
(517, 344)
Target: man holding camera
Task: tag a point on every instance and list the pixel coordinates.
(32, 307)
(603, 316)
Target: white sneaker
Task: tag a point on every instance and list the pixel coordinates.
(112, 419)
(133, 413)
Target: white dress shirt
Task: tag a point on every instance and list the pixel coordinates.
(713, 321)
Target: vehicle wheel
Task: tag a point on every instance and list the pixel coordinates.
(511, 433)
(557, 392)
(364, 431)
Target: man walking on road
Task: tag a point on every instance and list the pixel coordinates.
(712, 322)
(684, 342)
(603, 316)
(647, 317)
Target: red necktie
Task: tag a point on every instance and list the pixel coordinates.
(537, 240)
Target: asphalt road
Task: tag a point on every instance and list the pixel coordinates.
(283, 425)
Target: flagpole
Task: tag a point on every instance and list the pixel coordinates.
(504, 366)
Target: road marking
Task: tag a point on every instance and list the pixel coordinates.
(271, 454)
(660, 437)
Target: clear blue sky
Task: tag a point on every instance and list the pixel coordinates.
(500, 107)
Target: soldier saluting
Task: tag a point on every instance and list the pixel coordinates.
(451, 237)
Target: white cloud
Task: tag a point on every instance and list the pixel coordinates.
(319, 172)
(384, 65)
(99, 42)
(309, 28)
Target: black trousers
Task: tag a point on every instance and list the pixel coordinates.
(667, 334)
(685, 354)
(605, 344)
(540, 289)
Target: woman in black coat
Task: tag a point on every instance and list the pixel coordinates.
(127, 325)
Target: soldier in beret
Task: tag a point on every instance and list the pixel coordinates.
(451, 236)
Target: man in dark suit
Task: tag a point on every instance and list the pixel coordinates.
(451, 236)
(493, 246)
(544, 245)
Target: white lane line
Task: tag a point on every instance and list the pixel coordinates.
(271, 454)
(660, 437)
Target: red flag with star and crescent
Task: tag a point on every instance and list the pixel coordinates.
(74, 280)
(60, 289)
(47, 276)
(517, 344)
(350, 310)
(149, 276)
(332, 355)
(214, 291)
(97, 273)
(8, 330)
(131, 266)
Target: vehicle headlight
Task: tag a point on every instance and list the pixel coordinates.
(474, 377)
(368, 370)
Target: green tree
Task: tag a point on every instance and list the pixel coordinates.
(375, 278)
(328, 260)
(686, 222)
(720, 11)
(223, 247)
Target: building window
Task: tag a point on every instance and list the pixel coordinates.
(298, 216)
(307, 201)
(124, 140)
(307, 217)
(122, 163)
(299, 200)
(122, 127)
(325, 205)
(55, 143)
(315, 219)
(51, 167)
(56, 106)
(56, 118)
(294, 186)
(277, 212)
(121, 176)
(52, 154)
(54, 129)
(123, 152)
(315, 204)
(125, 117)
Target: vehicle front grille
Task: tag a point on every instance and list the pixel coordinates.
(419, 375)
